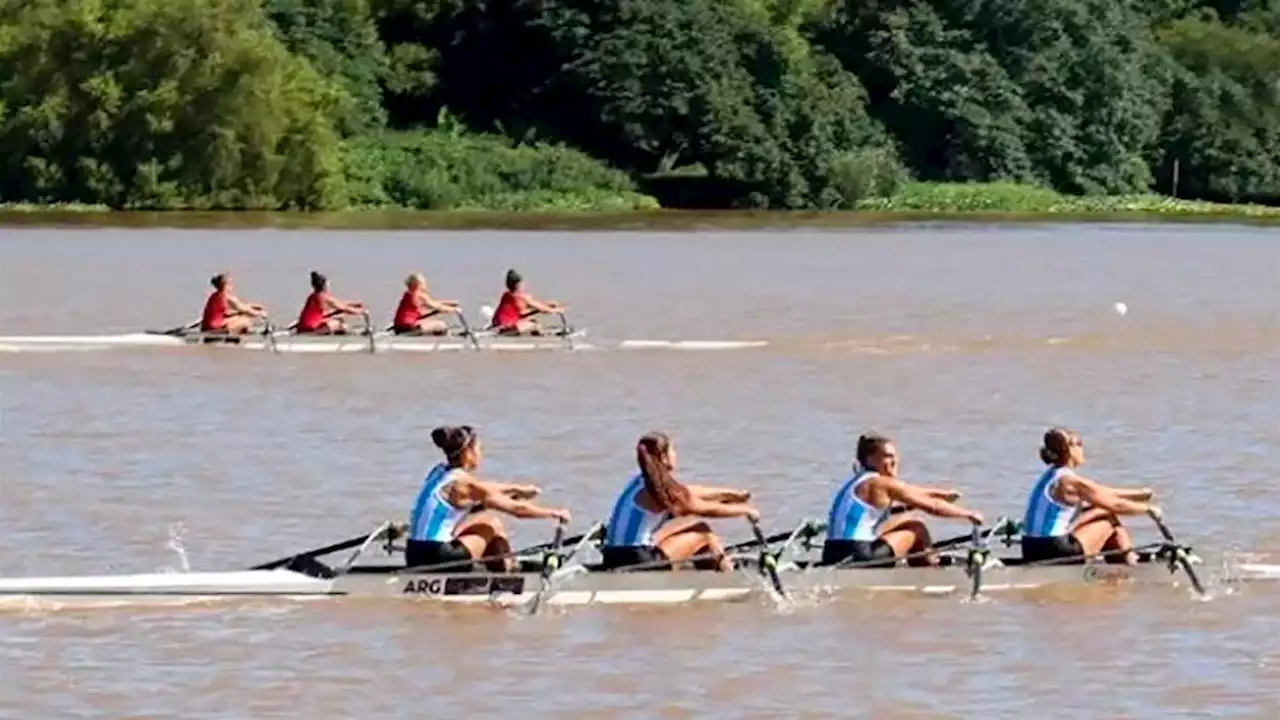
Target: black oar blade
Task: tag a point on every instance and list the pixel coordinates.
(769, 562)
(1179, 553)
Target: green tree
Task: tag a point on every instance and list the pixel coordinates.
(1069, 92)
(340, 38)
(1223, 128)
(653, 84)
(160, 103)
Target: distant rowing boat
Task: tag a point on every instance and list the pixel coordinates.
(375, 571)
(286, 342)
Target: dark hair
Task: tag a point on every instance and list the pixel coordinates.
(454, 441)
(1057, 445)
(658, 480)
(513, 279)
(218, 281)
(868, 445)
(318, 281)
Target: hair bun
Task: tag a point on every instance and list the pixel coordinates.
(441, 436)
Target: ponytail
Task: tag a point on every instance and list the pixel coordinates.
(659, 482)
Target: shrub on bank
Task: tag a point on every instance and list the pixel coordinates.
(450, 170)
(1002, 197)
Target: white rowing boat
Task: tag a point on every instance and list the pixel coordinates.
(375, 571)
(285, 342)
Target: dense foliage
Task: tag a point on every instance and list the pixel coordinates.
(524, 104)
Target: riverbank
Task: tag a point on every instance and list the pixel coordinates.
(915, 202)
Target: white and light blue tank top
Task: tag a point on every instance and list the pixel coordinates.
(631, 525)
(851, 518)
(434, 518)
(1045, 516)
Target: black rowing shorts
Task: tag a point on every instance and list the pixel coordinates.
(429, 552)
(625, 556)
(861, 553)
(1039, 549)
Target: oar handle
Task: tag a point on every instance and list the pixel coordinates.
(551, 558)
(1158, 519)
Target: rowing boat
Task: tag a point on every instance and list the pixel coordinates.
(285, 342)
(384, 341)
(375, 571)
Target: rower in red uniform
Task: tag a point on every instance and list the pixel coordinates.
(415, 314)
(517, 308)
(321, 312)
(226, 313)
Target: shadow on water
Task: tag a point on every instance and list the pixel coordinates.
(635, 220)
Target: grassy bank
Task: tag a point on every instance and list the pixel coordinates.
(952, 199)
(502, 195)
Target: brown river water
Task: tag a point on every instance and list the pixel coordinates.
(963, 342)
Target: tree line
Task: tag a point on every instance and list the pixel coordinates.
(517, 104)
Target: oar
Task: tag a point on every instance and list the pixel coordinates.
(768, 562)
(1179, 553)
(466, 330)
(976, 560)
(368, 330)
(550, 563)
(388, 528)
(564, 327)
(270, 332)
(180, 330)
(807, 526)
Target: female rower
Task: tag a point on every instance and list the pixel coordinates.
(644, 529)
(860, 529)
(441, 529)
(516, 309)
(414, 315)
(1057, 525)
(320, 313)
(226, 313)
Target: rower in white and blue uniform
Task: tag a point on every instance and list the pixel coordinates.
(1070, 516)
(443, 532)
(860, 529)
(629, 535)
(657, 521)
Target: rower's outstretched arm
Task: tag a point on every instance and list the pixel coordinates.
(242, 307)
(349, 307)
(517, 491)
(440, 306)
(1134, 494)
(543, 307)
(702, 507)
(921, 499)
(719, 494)
(494, 499)
(942, 493)
(1103, 497)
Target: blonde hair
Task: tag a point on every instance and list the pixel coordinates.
(415, 278)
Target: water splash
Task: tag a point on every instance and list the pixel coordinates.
(176, 531)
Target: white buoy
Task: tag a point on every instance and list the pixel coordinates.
(1121, 309)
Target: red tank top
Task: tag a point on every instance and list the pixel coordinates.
(407, 314)
(312, 316)
(215, 312)
(508, 313)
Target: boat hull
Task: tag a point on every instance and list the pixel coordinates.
(584, 587)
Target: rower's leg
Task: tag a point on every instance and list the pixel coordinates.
(239, 324)
(683, 539)
(528, 327)
(485, 537)
(1099, 530)
(433, 327)
(909, 535)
